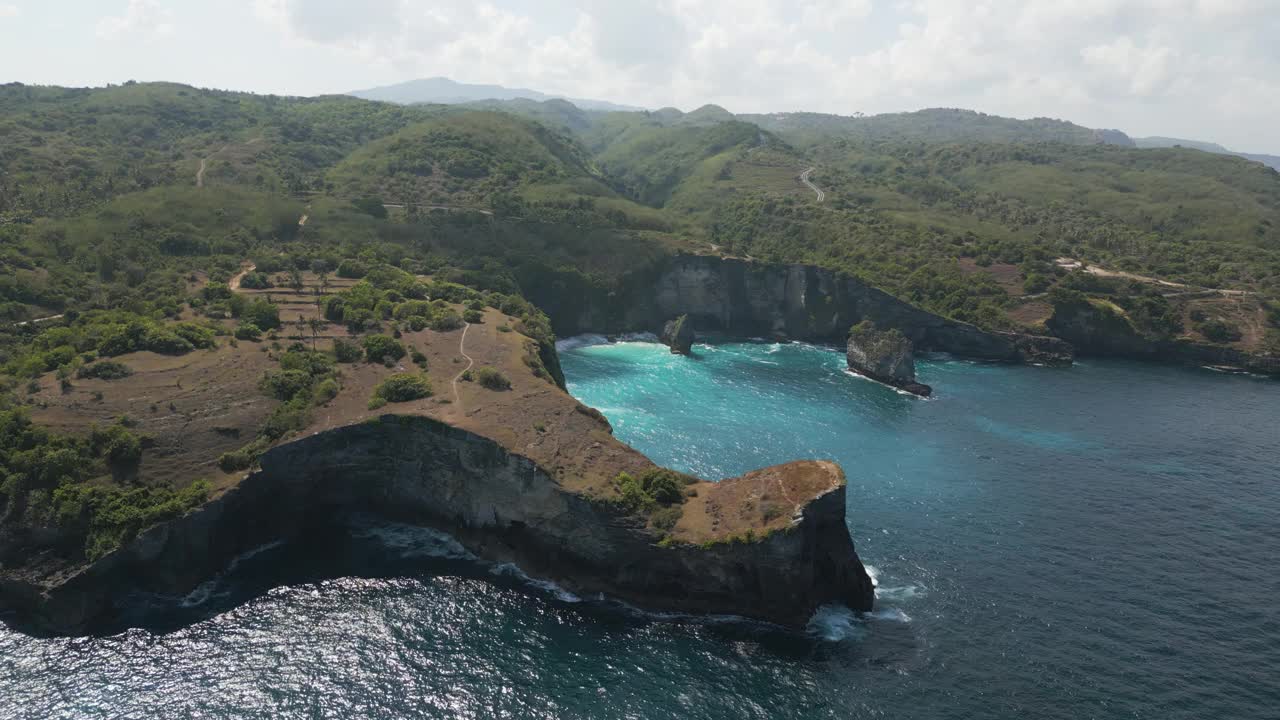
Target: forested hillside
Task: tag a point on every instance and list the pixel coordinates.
(158, 222)
(978, 217)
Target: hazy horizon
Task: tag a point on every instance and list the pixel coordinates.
(1197, 69)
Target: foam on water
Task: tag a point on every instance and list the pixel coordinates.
(1057, 543)
(580, 341)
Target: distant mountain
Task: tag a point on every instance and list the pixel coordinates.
(448, 92)
(1166, 142)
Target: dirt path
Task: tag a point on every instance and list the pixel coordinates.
(462, 351)
(1073, 264)
(804, 178)
(234, 282)
(204, 162)
(39, 320)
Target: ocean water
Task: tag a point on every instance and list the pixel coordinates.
(1101, 541)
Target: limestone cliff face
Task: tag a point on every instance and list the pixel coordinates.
(885, 356)
(1101, 332)
(500, 505)
(798, 302)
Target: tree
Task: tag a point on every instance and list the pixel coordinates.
(316, 324)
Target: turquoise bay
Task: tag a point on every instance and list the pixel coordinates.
(1094, 541)
(1089, 542)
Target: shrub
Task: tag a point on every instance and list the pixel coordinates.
(473, 316)
(632, 496)
(446, 321)
(261, 313)
(235, 460)
(327, 390)
(663, 485)
(310, 362)
(493, 379)
(403, 387)
(418, 358)
(1220, 331)
(248, 331)
(116, 443)
(381, 348)
(285, 384)
(105, 370)
(346, 351)
(255, 281)
(376, 402)
(352, 269)
(198, 335)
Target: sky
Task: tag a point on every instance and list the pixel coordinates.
(1198, 69)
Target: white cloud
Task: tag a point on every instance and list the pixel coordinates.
(1168, 66)
(8, 11)
(140, 17)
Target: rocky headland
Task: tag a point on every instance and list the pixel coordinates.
(885, 356)
(523, 474)
(678, 335)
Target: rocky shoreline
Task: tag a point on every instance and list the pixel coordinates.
(500, 505)
(742, 298)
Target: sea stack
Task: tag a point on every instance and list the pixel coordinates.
(884, 356)
(678, 335)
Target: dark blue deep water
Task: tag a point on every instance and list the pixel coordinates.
(1101, 541)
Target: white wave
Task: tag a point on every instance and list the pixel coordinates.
(205, 590)
(413, 541)
(511, 571)
(890, 614)
(580, 341)
(235, 562)
(906, 592)
(775, 347)
(201, 594)
(900, 391)
(874, 573)
(835, 623)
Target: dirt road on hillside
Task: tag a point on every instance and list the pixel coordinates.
(804, 178)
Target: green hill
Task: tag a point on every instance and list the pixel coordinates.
(937, 125)
(459, 158)
(961, 212)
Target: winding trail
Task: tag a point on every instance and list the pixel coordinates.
(234, 283)
(470, 362)
(204, 162)
(804, 178)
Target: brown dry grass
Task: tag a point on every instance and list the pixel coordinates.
(198, 406)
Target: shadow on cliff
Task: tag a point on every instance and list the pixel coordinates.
(368, 548)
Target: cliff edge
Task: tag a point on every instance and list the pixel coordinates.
(518, 472)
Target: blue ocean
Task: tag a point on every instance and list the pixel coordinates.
(1100, 541)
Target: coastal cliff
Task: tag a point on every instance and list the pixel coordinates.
(796, 302)
(502, 506)
(1097, 330)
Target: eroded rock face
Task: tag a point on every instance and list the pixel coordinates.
(502, 506)
(885, 356)
(744, 298)
(1099, 331)
(678, 335)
